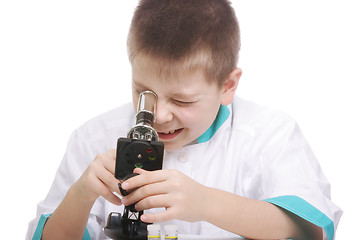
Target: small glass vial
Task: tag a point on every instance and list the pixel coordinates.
(171, 232)
(153, 232)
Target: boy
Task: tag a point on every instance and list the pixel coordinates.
(230, 167)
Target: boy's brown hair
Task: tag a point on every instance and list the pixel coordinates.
(182, 35)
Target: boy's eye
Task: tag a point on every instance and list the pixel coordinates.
(182, 103)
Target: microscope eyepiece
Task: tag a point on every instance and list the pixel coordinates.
(146, 108)
(145, 118)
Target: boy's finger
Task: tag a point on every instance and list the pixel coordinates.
(157, 201)
(103, 190)
(109, 160)
(158, 217)
(140, 171)
(109, 180)
(145, 191)
(109, 196)
(145, 178)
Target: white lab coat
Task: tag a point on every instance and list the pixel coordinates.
(256, 152)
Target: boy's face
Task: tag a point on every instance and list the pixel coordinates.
(186, 106)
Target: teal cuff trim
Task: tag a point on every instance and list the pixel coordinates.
(39, 229)
(86, 235)
(221, 117)
(306, 211)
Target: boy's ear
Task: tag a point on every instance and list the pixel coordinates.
(229, 86)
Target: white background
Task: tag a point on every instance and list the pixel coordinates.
(64, 62)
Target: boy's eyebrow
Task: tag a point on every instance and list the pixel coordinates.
(174, 94)
(139, 85)
(185, 95)
(135, 83)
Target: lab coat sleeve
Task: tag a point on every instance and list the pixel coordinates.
(75, 161)
(291, 177)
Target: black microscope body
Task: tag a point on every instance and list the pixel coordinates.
(141, 149)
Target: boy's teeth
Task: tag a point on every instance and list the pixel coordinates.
(170, 132)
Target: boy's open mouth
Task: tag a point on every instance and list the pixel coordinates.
(168, 135)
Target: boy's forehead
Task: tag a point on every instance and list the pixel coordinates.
(143, 76)
(165, 69)
(163, 73)
(186, 83)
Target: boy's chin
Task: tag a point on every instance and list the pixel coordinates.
(175, 146)
(171, 147)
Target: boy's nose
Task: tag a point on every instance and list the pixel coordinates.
(163, 112)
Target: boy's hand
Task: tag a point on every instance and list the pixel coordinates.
(182, 197)
(98, 179)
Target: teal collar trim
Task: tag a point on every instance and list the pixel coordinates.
(221, 117)
(306, 211)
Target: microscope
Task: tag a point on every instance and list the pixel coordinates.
(141, 149)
